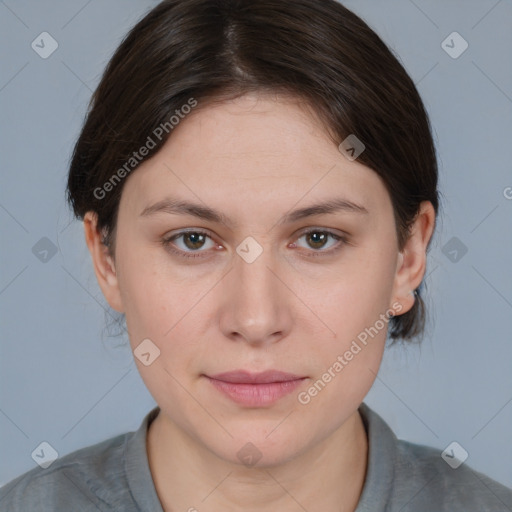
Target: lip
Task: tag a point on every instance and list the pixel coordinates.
(255, 389)
(245, 377)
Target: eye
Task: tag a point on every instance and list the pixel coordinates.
(193, 240)
(317, 238)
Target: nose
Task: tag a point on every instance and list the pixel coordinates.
(256, 304)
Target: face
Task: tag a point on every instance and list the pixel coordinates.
(259, 288)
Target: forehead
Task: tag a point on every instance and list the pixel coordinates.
(253, 129)
(254, 153)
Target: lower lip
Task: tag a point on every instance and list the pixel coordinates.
(256, 395)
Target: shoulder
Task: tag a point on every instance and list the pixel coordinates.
(79, 481)
(431, 482)
(409, 477)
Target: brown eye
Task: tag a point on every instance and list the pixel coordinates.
(192, 242)
(318, 239)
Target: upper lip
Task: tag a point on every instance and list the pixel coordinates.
(244, 377)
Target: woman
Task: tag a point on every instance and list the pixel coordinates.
(258, 186)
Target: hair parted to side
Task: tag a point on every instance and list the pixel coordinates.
(213, 50)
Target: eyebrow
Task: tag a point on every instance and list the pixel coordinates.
(182, 207)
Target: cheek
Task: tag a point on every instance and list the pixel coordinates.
(162, 310)
(147, 289)
(344, 367)
(165, 303)
(357, 310)
(359, 293)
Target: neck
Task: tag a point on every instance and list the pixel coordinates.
(187, 476)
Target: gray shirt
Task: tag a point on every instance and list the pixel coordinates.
(115, 475)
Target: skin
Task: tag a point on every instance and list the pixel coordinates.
(255, 159)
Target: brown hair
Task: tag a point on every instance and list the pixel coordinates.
(205, 50)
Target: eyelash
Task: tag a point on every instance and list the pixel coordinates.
(167, 242)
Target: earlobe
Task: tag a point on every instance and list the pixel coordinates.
(412, 260)
(103, 262)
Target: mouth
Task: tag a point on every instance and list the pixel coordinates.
(255, 389)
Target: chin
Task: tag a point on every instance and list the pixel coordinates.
(259, 449)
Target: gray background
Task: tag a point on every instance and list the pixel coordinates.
(65, 381)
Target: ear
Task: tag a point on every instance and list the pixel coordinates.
(412, 260)
(103, 262)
